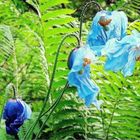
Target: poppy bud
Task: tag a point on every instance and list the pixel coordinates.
(15, 113)
(71, 57)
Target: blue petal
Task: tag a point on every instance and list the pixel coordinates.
(98, 37)
(130, 65)
(87, 89)
(121, 55)
(15, 113)
(27, 110)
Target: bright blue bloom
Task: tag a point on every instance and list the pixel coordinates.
(108, 37)
(15, 113)
(79, 75)
(106, 25)
(122, 55)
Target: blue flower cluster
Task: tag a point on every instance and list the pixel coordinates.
(107, 37)
(15, 113)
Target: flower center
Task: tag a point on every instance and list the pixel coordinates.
(103, 21)
(87, 61)
(138, 59)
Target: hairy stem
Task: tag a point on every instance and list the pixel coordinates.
(50, 86)
(53, 108)
(83, 12)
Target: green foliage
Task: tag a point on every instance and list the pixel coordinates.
(130, 7)
(28, 58)
(24, 128)
(29, 42)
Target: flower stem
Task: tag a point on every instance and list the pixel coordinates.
(83, 12)
(50, 86)
(53, 108)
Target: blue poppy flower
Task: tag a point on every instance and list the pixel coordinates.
(15, 113)
(79, 75)
(122, 55)
(106, 25)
